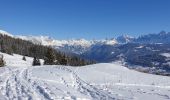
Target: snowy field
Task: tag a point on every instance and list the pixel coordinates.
(20, 81)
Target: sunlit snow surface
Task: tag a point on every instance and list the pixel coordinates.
(20, 81)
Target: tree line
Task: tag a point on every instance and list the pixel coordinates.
(51, 56)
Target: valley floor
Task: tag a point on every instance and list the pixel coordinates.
(21, 81)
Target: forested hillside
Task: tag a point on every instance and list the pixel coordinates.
(12, 45)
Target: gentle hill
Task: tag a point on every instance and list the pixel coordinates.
(19, 80)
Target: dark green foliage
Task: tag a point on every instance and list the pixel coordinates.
(76, 61)
(24, 58)
(63, 61)
(2, 62)
(12, 45)
(50, 57)
(36, 62)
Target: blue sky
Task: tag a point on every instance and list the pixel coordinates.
(90, 19)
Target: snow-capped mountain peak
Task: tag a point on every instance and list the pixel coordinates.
(108, 41)
(161, 37)
(76, 46)
(46, 40)
(43, 40)
(125, 39)
(5, 33)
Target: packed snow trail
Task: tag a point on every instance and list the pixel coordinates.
(15, 87)
(18, 84)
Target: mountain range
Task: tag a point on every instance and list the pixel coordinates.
(147, 53)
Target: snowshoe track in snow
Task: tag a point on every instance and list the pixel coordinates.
(15, 87)
(19, 80)
(19, 85)
(64, 83)
(86, 88)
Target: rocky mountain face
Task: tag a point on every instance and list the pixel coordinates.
(151, 58)
(149, 53)
(125, 39)
(162, 37)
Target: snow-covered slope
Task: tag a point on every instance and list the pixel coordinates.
(16, 60)
(20, 81)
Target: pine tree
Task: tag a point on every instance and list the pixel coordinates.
(36, 62)
(24, 58)
(50, 57)
(2, 62)
(63, 61)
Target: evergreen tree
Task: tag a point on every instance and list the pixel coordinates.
(24, 58)
(50, 57)
(2, 62)
(63, 61)
(36, 62)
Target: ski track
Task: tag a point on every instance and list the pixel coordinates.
(79, 85)
(17, 87)
(86, 88)
(17, 84)
(19, 80)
